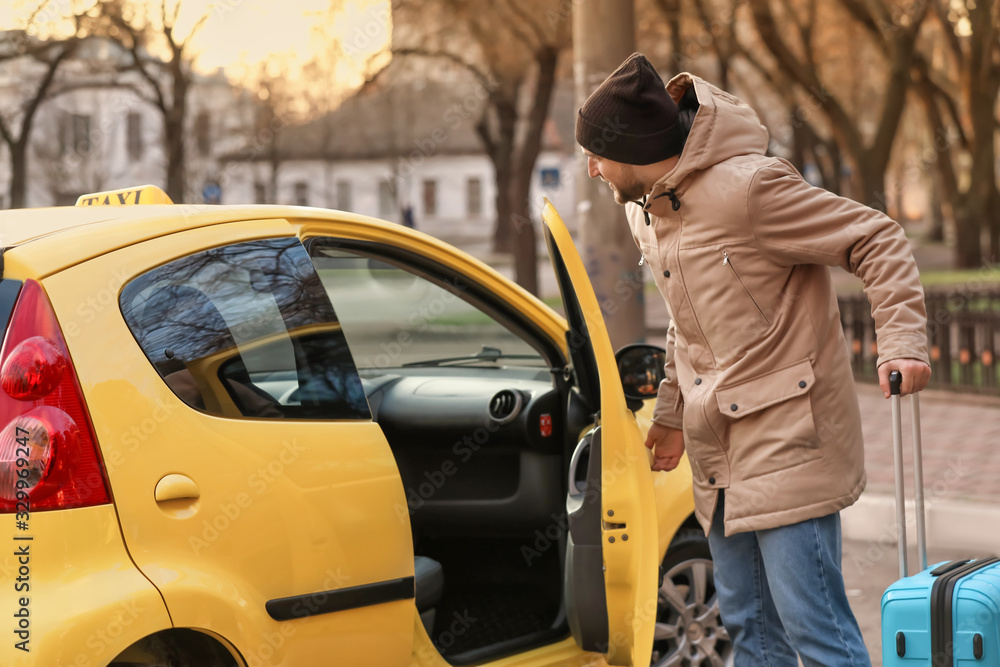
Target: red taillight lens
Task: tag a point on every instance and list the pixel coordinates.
(33, 369)
(47, 445)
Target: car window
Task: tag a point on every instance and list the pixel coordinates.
(246, 330)
(393, 317)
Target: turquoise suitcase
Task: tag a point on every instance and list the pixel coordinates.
(947, 615)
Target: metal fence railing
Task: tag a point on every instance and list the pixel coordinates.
(962, 329)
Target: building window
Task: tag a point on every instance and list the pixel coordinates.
(259, 193)
(302, 194)
(79, 133)
(65, 133)
(133, 137)
(386, 199)
(344, 195)
(474, 196)
(202, 132)
(430, 197)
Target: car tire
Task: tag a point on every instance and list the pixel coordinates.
(689, 631)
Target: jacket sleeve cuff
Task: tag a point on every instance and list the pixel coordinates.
(902, 345)
(669, 408)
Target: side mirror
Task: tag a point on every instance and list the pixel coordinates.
(641, 369)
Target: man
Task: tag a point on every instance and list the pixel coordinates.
(758, 388)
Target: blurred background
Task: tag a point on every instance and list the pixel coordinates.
(456, 117)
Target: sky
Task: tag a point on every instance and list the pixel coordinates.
(239, 34)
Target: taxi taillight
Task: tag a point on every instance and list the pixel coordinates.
(48, 451)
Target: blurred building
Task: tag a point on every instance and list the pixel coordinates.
(405, 143)
(97, 131)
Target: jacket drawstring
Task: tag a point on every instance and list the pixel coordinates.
(642, 205)
(675, 202)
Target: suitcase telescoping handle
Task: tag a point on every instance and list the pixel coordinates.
(895, 384)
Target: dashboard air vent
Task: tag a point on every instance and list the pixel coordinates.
(505, 405)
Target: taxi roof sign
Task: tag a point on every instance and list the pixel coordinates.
(140, 194)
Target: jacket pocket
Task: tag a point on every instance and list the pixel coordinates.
(728, 261)
(771, 425)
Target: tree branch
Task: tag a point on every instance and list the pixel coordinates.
(483, 130)
(941, 11)
(541, 97)
(197, 26)
(44, 84)
(158, 100)
(903, 42)
(480, 76)
(861, 13)
(805, 77)
(6, 133)
(924, 78)
(529, 20)
(518, 32)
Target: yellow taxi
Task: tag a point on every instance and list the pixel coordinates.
(289, 436)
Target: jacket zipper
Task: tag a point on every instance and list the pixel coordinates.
(729, 262)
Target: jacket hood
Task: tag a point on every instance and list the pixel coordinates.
(724, 127)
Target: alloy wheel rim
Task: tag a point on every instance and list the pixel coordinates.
(689, 631)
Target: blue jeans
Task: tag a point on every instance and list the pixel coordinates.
(781, 595)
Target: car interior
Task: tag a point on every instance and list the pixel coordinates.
(483, 418)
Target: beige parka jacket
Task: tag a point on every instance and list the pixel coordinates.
(758, 373)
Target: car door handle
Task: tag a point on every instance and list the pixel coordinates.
(176, 487)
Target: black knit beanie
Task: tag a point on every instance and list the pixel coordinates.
(630, 118)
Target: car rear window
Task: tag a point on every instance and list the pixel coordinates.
(246, 330)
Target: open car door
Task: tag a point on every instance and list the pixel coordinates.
(611, 555)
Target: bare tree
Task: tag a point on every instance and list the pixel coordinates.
(168, 79)
(959, 95)
(17, 113)
(896, 36)
(716, 28)
(512, 48)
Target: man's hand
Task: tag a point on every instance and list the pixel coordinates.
(915, 375)
(667, 445)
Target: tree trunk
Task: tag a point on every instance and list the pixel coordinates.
(994, 223)
(524, 239)
(525, 157)
(968, 234)
(502, 154)
(982, 100)
(503, 234)
(870, 178)
(174, 125)
(935, 228)
(799, 142)
(18, 173)
(174, 129)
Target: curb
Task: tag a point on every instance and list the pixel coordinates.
(950, 524)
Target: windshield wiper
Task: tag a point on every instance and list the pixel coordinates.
(487, 354)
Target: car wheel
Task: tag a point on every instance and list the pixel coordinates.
(689, 631)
